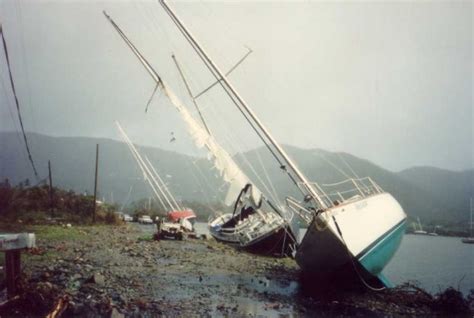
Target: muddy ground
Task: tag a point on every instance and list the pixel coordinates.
(119, 271)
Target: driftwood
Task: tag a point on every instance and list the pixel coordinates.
(9, 302)
(59, 307)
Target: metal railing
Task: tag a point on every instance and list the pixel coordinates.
(334, 194)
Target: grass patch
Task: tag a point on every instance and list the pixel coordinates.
(52, 233)
(145, 238)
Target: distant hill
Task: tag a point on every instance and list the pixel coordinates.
(73, 164)
(450, 190)
(433, 194)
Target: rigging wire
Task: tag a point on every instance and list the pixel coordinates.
(25, 64)
(17, 104)
(350, 168)
(14, 121)
(267, 176)
(334, 166)
(355, 174)
(228, 92)
(163, 184)
(127, 197)
(188, 89)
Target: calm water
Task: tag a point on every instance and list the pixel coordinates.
(435, 262)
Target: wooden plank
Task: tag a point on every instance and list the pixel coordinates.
(17, 241)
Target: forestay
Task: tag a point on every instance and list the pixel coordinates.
(223, 162)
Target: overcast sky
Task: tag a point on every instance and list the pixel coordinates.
(391, 82)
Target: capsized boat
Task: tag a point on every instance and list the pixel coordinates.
(363, 231)
(257, 224)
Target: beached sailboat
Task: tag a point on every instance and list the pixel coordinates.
(361, 231)
(255, 224)
(470, 239)
(175, 213)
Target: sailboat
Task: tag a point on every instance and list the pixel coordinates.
(420, 230)
(175, 213)
(361, 231)
(470, 239)
(256, 224)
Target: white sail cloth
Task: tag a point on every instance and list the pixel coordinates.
(223, 162)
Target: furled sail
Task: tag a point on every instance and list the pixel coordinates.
(221, 159)
(223, 162)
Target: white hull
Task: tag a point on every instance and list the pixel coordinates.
(251, 228)
(363, 223)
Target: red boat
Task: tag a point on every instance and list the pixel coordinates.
(187, 214)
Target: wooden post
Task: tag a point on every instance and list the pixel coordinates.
(12, 271)
(11, 245)
(50, 190)
(95, 181)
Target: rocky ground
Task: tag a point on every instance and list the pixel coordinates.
(119, 271)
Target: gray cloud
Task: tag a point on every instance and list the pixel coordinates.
(391, 82)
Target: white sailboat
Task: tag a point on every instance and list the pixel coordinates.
(420, 230)
(470, 239)
(175, 212)
(364, 230)
(255, 224)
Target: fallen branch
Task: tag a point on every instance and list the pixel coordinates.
(8, 302)
(59, 308)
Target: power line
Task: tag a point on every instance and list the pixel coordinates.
(17, 104)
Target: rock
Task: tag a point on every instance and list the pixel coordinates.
(116, 314)
(97, 278)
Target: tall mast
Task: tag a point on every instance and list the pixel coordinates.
(470, 224)
(241, 101)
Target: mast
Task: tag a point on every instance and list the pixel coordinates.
(163, 184)
(470, 224)
(145, 168)
(222, 160)
(244, 105)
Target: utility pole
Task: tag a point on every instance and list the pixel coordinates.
(50, 190)
(95, 181)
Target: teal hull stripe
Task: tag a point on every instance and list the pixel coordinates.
(367, 250)
(375, 259)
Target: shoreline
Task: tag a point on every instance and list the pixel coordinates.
(119, 269)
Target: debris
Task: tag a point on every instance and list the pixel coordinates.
(116, 314)
(97, 278)
(59, 308)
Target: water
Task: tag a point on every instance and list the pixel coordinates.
(435, 262)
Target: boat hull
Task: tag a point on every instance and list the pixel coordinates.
(365, 232)
(468, 240)
(279, 242)
(274, 239)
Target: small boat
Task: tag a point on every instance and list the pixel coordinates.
(434, 231)
(420, 230)
(470, 239)
(185, 214)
